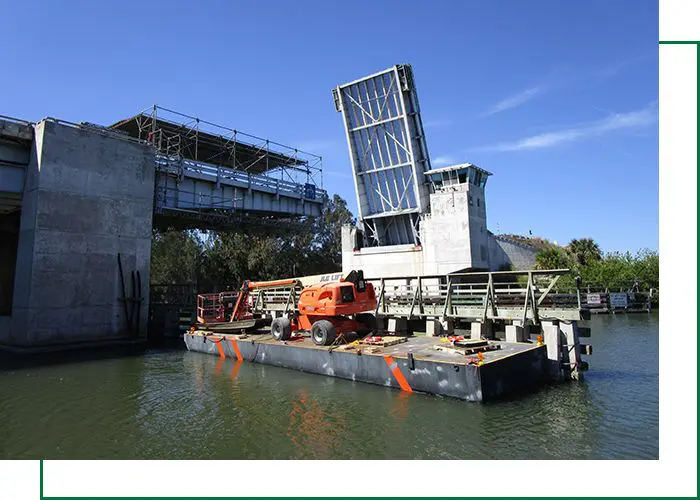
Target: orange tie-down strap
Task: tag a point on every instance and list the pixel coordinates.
(220, 347)
(234, 344)
(394, 367)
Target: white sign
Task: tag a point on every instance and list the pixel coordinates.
(593, 299)
(618, 300)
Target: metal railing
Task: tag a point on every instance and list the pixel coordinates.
(177, 134)
(212, 307)
(507, 295)
(218, 307)
(17, 121)
(180, 167)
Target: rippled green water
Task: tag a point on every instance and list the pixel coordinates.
(177, 404)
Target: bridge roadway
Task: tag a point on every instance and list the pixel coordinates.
(183, 188)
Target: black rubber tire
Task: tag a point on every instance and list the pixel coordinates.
(323, 332)
(368, 320)
(281, 328)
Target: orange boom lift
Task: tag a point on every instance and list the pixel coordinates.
(328, 310)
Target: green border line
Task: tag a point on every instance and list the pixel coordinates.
(41, 462)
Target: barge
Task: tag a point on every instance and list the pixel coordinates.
(541, 341)
(417, 364)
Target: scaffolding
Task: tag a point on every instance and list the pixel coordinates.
(176, 134)
(187, 146)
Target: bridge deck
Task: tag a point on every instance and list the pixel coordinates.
(189, 191)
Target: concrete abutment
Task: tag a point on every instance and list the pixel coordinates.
(87, 199)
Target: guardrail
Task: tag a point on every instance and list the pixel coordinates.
(181, 167)
(16, 120)
(218, 307)
(617, 301)
(212, 307)
(506, 295)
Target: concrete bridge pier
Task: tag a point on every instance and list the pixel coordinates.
(552, 339)
(572, 350)
(87, 197)
(563, 350)
(435, 327)
(482, 329)
(519, 331)
(397, 325)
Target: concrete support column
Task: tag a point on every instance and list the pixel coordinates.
(436, 327)
(85, 228)
(433, 328)
(517, 332)
(572, 350)
(397, 325)
(448, 325)
(482, 329)
(552, 340)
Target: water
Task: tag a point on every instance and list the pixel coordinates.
(176, 404)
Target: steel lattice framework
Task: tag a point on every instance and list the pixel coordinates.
(211, 176)
(176, 134)
(388, 153)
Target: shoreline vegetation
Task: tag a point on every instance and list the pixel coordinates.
(215, 260)
(615, 271)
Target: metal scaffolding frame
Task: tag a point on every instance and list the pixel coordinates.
(388, 153)
(187, 146)
(178, 135)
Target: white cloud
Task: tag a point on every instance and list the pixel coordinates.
(555, 81)
(441, 161)
(614, 122)
(437, 123)
(615, 69)
(516, 100)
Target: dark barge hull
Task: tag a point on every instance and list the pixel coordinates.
(412, 366)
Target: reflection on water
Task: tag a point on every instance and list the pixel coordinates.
(176, 404)
(314, 431)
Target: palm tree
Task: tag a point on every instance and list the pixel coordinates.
(552, 257)
(584, 251)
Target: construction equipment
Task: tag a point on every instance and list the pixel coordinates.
(331, 310)
(329, 307)
(213, 309)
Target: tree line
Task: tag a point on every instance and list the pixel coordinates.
(612, 270)
(214, 260)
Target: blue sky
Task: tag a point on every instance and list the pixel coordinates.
(557, 99)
